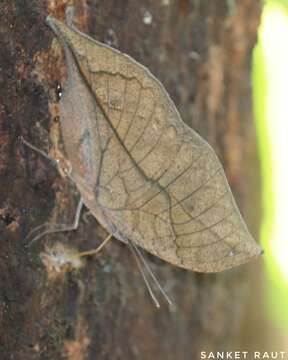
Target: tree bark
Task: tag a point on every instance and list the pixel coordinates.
(201, 51)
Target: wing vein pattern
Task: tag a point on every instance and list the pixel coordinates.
(156, 181)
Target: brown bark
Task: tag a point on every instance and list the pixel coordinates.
(201, 51)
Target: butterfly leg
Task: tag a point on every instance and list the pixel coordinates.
(60, 161)
(95, 251)
(39, 151)
(49, 228)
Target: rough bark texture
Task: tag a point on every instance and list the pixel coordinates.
(201, 51)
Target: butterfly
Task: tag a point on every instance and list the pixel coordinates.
(147, 177)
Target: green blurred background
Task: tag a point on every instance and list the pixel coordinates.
(270, 92)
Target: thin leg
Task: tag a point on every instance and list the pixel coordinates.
(39, 151)
(63, 165)
(95, 251)
(49, 228)
(137, 254)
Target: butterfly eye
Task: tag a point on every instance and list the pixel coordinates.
(59, 92)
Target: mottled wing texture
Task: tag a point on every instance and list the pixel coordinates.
(154, 180)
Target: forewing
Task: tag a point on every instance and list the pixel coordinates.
(159, 183)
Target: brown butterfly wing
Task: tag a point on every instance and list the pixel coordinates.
(158, 182)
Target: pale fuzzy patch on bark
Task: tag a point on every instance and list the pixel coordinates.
(60, 259)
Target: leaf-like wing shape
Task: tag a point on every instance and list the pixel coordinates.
(143, 173)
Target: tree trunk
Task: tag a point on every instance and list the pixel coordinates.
(201, 51)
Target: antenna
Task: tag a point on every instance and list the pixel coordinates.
(140, 259)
